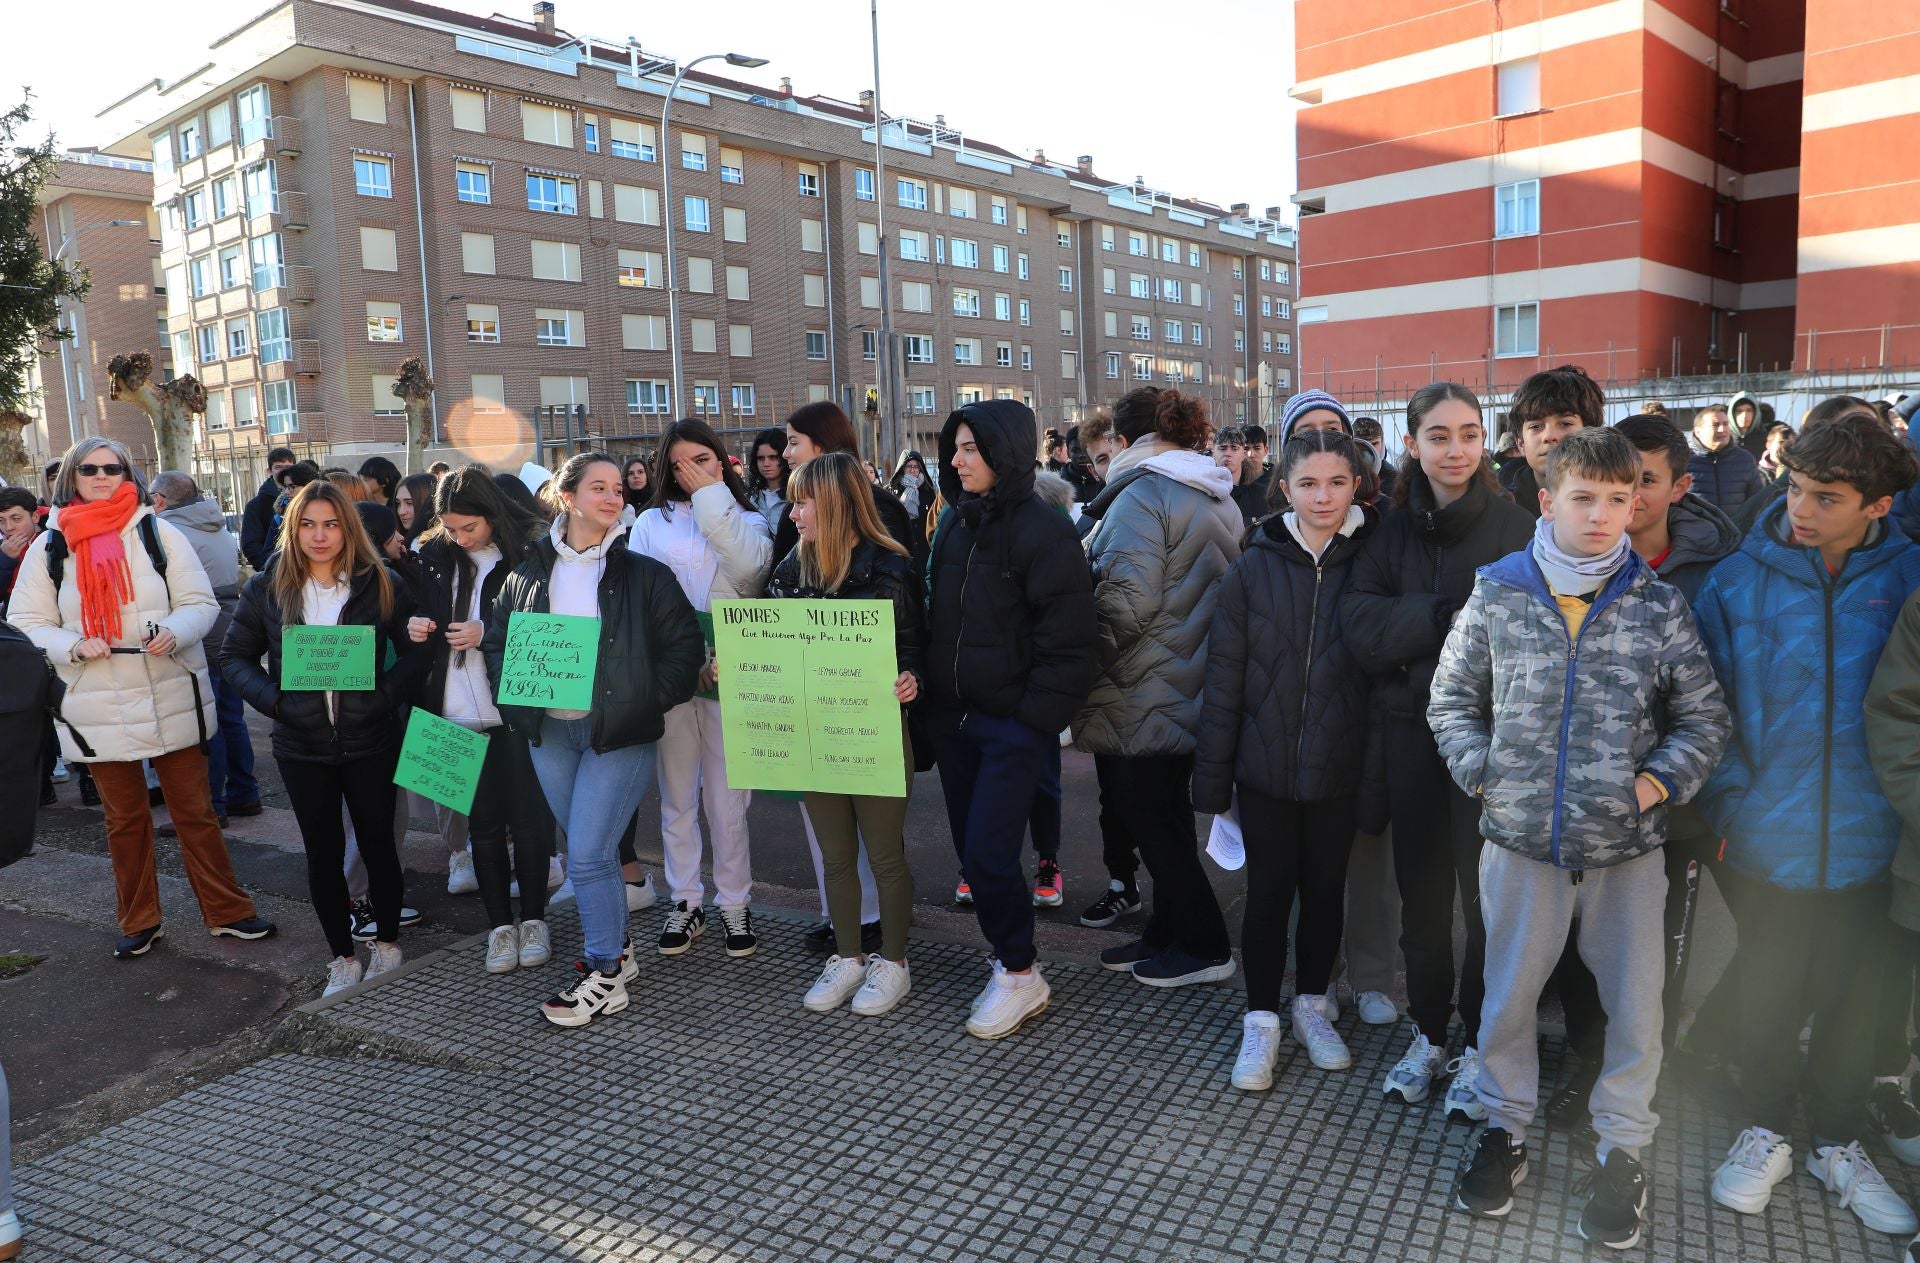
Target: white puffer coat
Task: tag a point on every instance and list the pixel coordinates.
(126, 707)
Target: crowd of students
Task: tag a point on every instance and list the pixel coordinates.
(1556, 689)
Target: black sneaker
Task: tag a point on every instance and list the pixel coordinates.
(870, 937)
(819, 938)
(1890, 1113)
(1619, 1202)
(683, 926)
(1110, 907)
(89, 792)
(366, 928)
(738, 924)
(1569, 1107)
(246, 928)
(137, 944)
(1498, 1167)
(49, 797)
(1123, 958)
(1177, 968)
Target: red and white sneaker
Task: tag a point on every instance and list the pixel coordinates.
(962, 893)
(1049, 886)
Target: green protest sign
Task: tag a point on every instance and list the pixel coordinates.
(441, 760)
(806, 696)
(326, 659)
(549, 661)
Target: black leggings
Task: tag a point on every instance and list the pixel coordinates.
(1436, 851)
(316, 792)
(509, 795)
(1293, 850)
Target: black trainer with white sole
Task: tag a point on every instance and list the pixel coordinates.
(246, 928)
(738, 924)
(1618, 1205)
(139, 944)
(591, 994)
(683, 925)
(1498, 1167)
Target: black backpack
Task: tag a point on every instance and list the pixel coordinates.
(29, 695)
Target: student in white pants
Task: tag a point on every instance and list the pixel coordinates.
(701, 525)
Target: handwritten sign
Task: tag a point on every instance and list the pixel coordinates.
(326, 659)
(806, 696)
(549, 661)
(441, 760)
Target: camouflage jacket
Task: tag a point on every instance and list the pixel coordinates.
(1550, 733)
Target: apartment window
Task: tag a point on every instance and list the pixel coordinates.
(1003, 355)
(743, 404)
(1000, 259)
(195, 204)
(1070, 364)
(635, 205)
(913, 246)
(643, 333)
(1282, 309)
(816, 344)
(554, 327)
(1021, 269)
(966, 254)
(706, 399)
(1199, 334)
(223, 203)
(1239, 340)
(488, 392)
(1138, 286)
(1174, 331)
(1266, 340)
(372, 177)
(283, 415)
(921, 399)
(475, 183)
(379, 249)
(552, 194)
(271, 336)
(219, 126)
(863, 184)
(383, 322)
(1066, 322)
(207, 337)
(476, 253)
(1141, 329)
(546, 124)
(237, 337)
(733, 225)
(246, 405)
(1266, 270)
(966, 302)
(385, 402)
(919, 349)
(1516, 209)
(1003, 306)
(1239, 304)
(966, 351)
(1517, 86)
(1266, 306)
(233, 268)
(1193, 261)
(556, 260)
(189, 138)
(256, 114)
(1020, 220)
(469, 109)
(869, 345)
(1065, 237)
(1283, 344)
(483, 323)
(592, 133)
(693, 151)
(628, 139)
(1136, 245)
(699, 275)
(261, 186)
(998, 210)
(1113, 365)
(697, 215)
(962, 203)
(1143, 368)
(739, 283)
(649, 398)
(813, 290)
(1172, 290)
(939, 249)
(366, 99)
(812, 238)
(1282, 273)
(1516, 329)
(1066, 280)
(1176, 370)
(1238, 271)
(1026, 359)
(733, 165)
(1106, 280)
(910, 193)
(269, 262)
(809, 180)
(1026, 312)
(740, 341)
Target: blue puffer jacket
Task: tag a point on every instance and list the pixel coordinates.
(1795, 796)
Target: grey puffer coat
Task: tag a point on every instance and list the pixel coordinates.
(1167, 531)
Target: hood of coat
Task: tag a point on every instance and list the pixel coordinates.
(1699, 530)
(202, 515)
(1137, 454)
(557, 536)
(1194, 469)
(1273, 534)
(1008, 436)
(1444, 526)
(1733, 415)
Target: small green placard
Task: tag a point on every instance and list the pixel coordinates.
(441, 760)
(326, 659)
(549, 661)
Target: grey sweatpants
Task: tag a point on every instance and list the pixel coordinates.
(1529, 908)
(1373, 914)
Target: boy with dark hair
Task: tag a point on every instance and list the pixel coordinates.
(1549, 405)
(1795, 623)
(19, 523)
(1575, 699)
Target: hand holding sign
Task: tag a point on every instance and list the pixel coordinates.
(326, 659)
(549, 661)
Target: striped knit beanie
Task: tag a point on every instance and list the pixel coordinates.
(1306, 401)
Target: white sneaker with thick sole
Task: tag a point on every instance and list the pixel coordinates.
(536, 944)
(836, 984)
(9, 1235)
(342, 972)
(640, 894)
(987, 990)
(590, 994)
(555, 873)
(1011, 999)
(1259, 1050)
(460, 877)
(1376, 1008)
(887, 984)
(1757, 1160)
(1463, 1096)
(1312, 1031)
(1847, 1171)
(503, 950)
(1411, 1078)
(384, 959)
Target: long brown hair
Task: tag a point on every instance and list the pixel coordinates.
(1425, 400)
(666, 485)
(291, 571)
(843, 515)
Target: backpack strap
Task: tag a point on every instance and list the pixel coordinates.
(149, 539)
(56, 557)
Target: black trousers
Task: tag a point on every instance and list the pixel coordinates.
(509, 797)
(990, 766)
(1436, 852)
(316, 792)
(1293, 850)
(1891, 1047)
(1150, 801)
(1116, 836)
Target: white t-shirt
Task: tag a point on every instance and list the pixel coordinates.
(468, 700)
(574, 585)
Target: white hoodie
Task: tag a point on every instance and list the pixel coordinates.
(574, 585)
(1198, 470)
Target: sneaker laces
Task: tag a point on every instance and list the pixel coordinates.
(1850, 1172)
(1049, 875)
(679, 919)
(830, 976)
(1617, 1179)
(1415, 1062)
(1314, 1018)
(340, 970)
(1257, 1042)
(737, 921)
(499, 933)
(1465, 1068)
(1753, 1148)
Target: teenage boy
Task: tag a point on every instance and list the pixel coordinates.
(1011, 659)
(1549, 405)
(1575, 698)
(1796, 621)
(256, 520)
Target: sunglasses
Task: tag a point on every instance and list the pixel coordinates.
(95, 471)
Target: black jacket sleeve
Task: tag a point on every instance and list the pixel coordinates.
(411, 661)
(246, 644)
(910, 628)
(1387, 628)
(1222, 697)
(256, 525)
(1059, 592)
(673, 634)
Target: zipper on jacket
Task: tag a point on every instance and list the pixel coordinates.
(1566, 713)
(960, 627)
(1826, 737)
(1306, 670)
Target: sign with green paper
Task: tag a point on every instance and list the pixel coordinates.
(806, 696)
(316, 658)
(549, 661)
(441, 760)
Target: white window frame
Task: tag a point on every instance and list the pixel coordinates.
(1516, 209)
(273, 335)
(565, 198)
(863, 188)
(705, 221)
(649, 397)
(910, 193)
(474, 183)
(375, 167)
(378, 329)
(280, 404)
(550, 332)
(917, 348)
(816, 339)
(1512, 314)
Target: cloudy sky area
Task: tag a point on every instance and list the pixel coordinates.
(1191, 97)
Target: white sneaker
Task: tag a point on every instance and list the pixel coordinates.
(1757, 1161)
(60, 777)
(987, 990)
(1329, 1005)
(1847, 1170)
(1312, 1031)
(837, 982)
(385, 958)
(536, 945)
(342, 972)
(887, 984)
(460, 878)
(1413, 1075)
(640, 894)
(1463, 1096)
(590, 994)
(9, 1231)
(556, 873)
(503, 950)
(1011, 999)
(1376, 1008)
(1259, 1050)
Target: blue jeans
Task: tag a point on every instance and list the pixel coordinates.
(593, 797)
(230, 750)
(6, 1153)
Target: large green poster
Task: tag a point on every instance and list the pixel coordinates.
(806, 696)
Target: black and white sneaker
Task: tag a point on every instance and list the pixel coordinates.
(683, 925)
(1498, 1167)
(1614, 1212)
(1890, 1113)
(249, 928)
(1110, 907)
(738, 923)
(139, 944)
(366, 927)
(589, 995)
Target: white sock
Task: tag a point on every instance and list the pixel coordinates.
(1886, 1078)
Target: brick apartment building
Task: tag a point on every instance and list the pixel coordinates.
(348, 183)
(123, 312)
(1645, 189)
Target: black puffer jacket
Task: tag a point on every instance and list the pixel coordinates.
(1010, 618)
(1700, 537)
(886, 505)
(440, 584)
(651, 648)
(1518, 478)
(1414, 575)
(1285, 708)
(1727, 478)
(369, 724)
(256, 525)
(874, 574)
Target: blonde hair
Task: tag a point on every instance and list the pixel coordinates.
(292, 570)
(352, 485)
(843, 515)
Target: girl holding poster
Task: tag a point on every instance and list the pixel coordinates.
(845, 553)
(703, 527)
(477, 538)
(333, 746)
(594, 765)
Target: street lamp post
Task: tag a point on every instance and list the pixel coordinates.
(66, 374)
(666, 210)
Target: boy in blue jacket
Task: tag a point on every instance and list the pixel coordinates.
(1795, 623)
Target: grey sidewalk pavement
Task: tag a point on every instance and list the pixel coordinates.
(435, 1115)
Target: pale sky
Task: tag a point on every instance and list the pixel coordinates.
(1189, 96)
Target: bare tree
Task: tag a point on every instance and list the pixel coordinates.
(415, 389)
(171, 406)
(15, 465)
